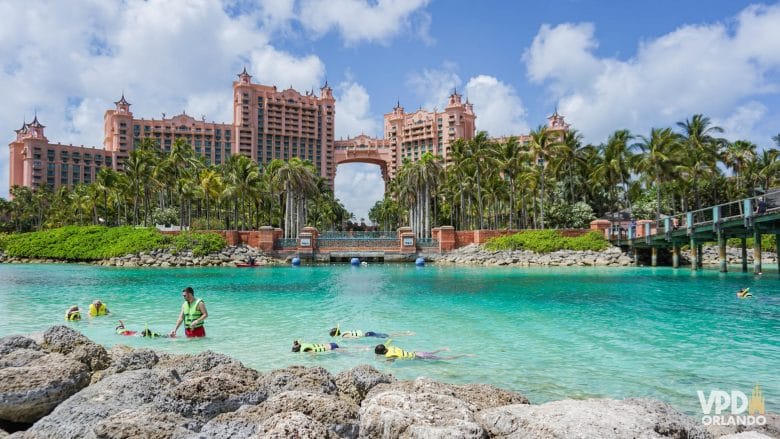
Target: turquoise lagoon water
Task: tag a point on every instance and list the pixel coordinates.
(548, 333)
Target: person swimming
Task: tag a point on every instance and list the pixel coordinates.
(396, 353)
(337, 332)
(744, 293)
(121, 330)
(313, 347)
(73, 313)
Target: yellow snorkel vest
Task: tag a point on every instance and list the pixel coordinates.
(394, 352)
(72, 315)
(97, 311)
(313, 347)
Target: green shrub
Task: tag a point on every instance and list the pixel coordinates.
(200, 244)
(767, 242)
(546, 241)
(3, 239)
(82, 243)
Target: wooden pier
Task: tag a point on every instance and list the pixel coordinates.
(746, 218)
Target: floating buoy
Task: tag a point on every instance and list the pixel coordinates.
(296, 261)
(420, 262)
(355, 261)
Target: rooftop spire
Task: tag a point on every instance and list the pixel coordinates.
(23, 129)
(35, 123)
(244, 76)
(122, 100)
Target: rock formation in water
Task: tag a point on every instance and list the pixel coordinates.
(62, 385)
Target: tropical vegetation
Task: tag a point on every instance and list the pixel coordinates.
(547, 180)
(553, 180)
(546, 241)
(179, 188)
(85, 243)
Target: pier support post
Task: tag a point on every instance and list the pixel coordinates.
(675, 255)
(744, 255)
(694, 255)
(700, 255)
(722, 253)
(654, 256)
(635, 254)
(777, 251)
(757, 251)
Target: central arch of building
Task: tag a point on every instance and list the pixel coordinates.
(365, 149)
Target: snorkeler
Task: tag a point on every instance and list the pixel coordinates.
(121, 330)
(313, 347)
(337, 332)
(744, 293)
(98, 308)
(396, 353)
(73, 313)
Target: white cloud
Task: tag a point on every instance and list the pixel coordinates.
(434, 86)
(499, 109)
(359, 186)
(709, 69)
(741, 124)
(271, 66)
(353, 111)
(361, 20)
(70, 61)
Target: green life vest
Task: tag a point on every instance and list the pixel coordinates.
(192, 313)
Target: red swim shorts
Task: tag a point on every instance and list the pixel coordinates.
(197, 332)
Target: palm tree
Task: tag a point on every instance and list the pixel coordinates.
(614, 167)
(568, 160)
(656, 160)
(541, 145)
(737, 155)
(106, 180)
(767, 168)
(511, 157)
(210, 183)
(703, 148)
(480, 156)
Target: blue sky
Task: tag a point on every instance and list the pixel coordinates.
(605, 65)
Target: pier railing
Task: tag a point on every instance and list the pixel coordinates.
(747, 209)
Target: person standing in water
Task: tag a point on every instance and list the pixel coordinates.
(193, 313)
(98, 308)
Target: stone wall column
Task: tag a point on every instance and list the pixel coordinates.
(722, 253)
(744, 254)
(446, 238)
(266, 239)
(408, 242)
(756, 251)
(700, 253)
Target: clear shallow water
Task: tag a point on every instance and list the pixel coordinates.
(547, 333)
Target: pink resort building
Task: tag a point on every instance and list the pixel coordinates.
(267, 124)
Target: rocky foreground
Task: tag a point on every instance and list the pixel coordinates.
(62, 385)
(474, 254)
